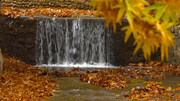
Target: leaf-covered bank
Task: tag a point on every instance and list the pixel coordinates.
(21, 81)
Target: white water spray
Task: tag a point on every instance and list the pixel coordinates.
(73, 43)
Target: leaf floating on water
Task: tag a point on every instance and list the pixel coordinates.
(159, 67)
(150, 91)
(169, 89)
(178, 89)
(57, 91)
(109, 79)
(76, 69)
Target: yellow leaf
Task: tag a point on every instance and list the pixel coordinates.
(120, 14)
(58, 90)
(169, 89)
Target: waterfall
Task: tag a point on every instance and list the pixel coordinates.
(67, 42)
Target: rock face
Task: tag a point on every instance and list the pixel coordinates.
(123, 52)
(174, 52)
(1, 57)
(18, 39)
(1, 62)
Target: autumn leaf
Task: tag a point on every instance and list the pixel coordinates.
(169, 89)
(23, 81)
(52, 12)
(148, 23)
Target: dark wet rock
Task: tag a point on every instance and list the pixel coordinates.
(123, 52)
(18, 38)
(174, 52)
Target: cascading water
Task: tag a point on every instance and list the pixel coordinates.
(73, 43)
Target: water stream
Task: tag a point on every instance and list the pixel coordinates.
(67, 42)
(72, 89)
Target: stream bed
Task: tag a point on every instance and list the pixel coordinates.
(72, 89)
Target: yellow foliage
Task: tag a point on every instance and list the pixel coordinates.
(148, 23)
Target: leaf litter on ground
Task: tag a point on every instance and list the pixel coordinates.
(21, 81)
(51, 12)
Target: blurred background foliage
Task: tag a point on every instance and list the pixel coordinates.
(149, 22)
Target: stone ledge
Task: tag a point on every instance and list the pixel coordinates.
(18, 36)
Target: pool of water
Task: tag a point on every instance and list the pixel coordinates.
(72, 89)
